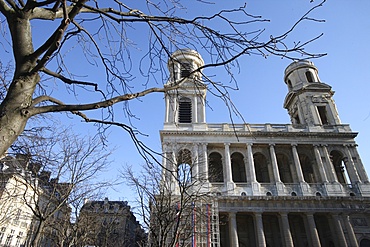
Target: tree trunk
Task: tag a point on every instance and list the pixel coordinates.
(36, 237)
(13, 110)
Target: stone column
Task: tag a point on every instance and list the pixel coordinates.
(195, 162)
(313, 230)
(228, 171)
(329, 166)
(350, 166)
(261, 241)
(165, 161)
(252, 172)
(204, 110)
(297, 163)
(286, 230)
(172, 167)
(341, 239)
(320, 164)
(175, 112)
(351, 234)
(166, 117)
(205, 162)
(275, 167)
(233, 231)
(195, 110)
(358, 164)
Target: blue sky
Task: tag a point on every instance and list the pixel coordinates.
(262, 89)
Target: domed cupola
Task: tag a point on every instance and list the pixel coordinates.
(185, 99)
(309, 101)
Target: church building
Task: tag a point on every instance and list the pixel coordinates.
(297, 184)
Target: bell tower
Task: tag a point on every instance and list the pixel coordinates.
(309, 101)
(185, 98)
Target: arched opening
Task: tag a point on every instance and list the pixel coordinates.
(184, 110)
(284, 168)
(339, 167)
(238, 168)
(261, 168)
(215, 167)
(365, 243)
(307, 169)
(309, 76)
(184, 162)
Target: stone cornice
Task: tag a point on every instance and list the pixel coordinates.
(349, 205)
(260, 134)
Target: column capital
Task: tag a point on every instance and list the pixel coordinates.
(249, 144)
(294, 144)
(272, 144)
(227, 143)
(283, 214)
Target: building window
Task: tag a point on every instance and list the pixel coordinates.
(185, 69)
(2, 232)
(215, 168)
(309, 76)
(261, 169)
(185, 110)
(338, 159)
(307, 169)
(9, 239)
(284, 168)
(238, 168)
(289, 84)
(323, 114)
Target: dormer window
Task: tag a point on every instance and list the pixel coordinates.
(185, 69)
(185, 110)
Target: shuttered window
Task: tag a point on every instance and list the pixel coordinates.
(185, 110)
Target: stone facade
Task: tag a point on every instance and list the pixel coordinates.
(25, 192)
(297, 184)
(109, 223)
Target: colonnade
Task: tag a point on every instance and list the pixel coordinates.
(342, 233)
(326, 170)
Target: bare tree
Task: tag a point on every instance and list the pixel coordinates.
(173, 204)
(107, 36)
(62, 170)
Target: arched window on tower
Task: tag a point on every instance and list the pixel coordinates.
(215, 168)
(184, 110)
(309, 76)
(184, 162)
